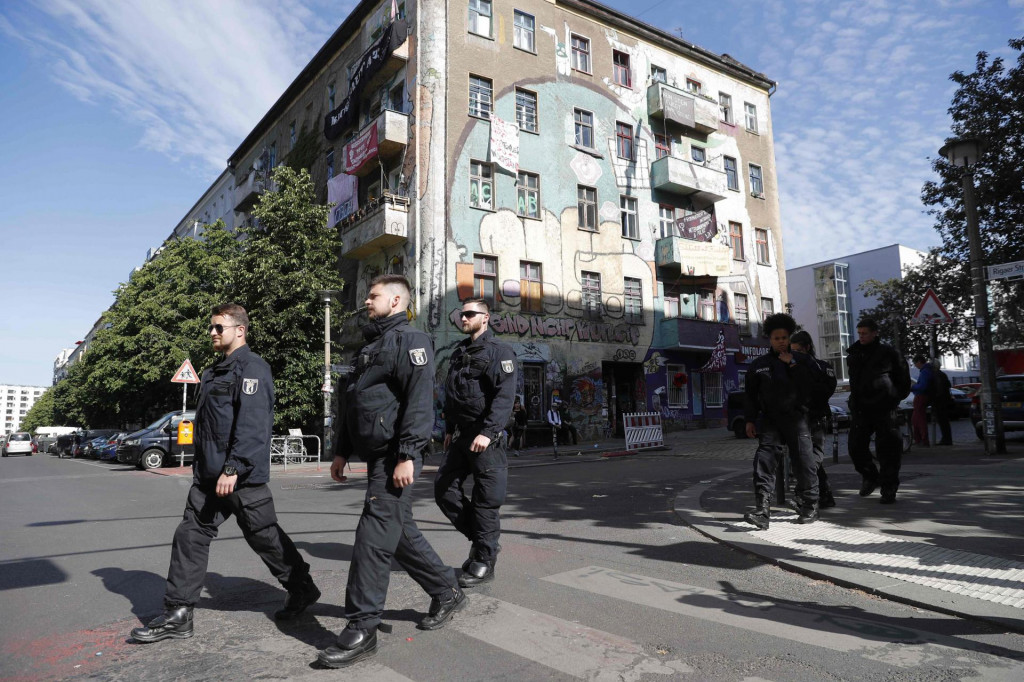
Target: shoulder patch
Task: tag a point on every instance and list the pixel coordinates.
(418, 356)
(250, 386)
(507, 366)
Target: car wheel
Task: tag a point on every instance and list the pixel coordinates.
(152, 459)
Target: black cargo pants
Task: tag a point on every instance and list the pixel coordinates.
(795, 436)
(253, 508)
(477, 517)
(888, 447)
(387, 529)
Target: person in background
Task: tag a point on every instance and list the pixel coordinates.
(568, 429)
(941, 403)
(518, 426)
(922, 390)
(554, 419)
(820, 410)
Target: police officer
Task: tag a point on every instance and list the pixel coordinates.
(820, 410)
(879, 380)
(479, 394)
(778, 391)
(386, 419)
(234, 421)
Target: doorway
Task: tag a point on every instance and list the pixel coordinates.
(625, 391)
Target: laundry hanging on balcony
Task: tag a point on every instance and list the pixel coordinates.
(505, 144)
(343, 192)
(717, 361)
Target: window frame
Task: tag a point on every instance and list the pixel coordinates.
(698, 151)
(698, 86)
(590, 294)
(578, 125)
(671, 232)
(658, 70)
(528, 302)
(662, 146)
(524, 192)
(759, 191)
(582, 206)
(714, 389)
(624, 69)
(741, 313)
(481, 276)
(768, 309)
(750, 117)
(670, 373)
(725, 107)
(478, 96)
(329, 161)
(761, 246)
(629, 207)
(633, 300)
(516, 13)
(621, 139)
(736, 240)
(536, 110)
(585, 54)
(470, 11)
(332, 91)
(732, 181)
(481, 180)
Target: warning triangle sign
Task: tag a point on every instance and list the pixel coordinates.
(186, 374)
(931, 311)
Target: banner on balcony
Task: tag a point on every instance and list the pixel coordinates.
(505, 144)
(699, 226)
(717, 361)
(677, 107)
(342, 190)
(362, 149)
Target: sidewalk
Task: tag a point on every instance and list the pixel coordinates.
(953, 542)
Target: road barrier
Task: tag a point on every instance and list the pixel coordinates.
(643, 430)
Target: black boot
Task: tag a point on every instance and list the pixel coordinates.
(353, 645)
(477, 572)
(868, 486)
(761, 515)
(172, 624)
(442, 610)
(808, 513)
(888, 496)
(298, 600)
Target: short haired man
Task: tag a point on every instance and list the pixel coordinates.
(779, 387)
(234, 422)
(922, 390)
(386, 419)
(819, 411)
(879, 380)
(479, 393)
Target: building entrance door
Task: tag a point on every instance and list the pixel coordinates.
(625, 391)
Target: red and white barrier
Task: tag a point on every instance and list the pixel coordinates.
(643, 430)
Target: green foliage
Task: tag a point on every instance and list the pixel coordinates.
(41, 413)
(988, 104)
(306, 151)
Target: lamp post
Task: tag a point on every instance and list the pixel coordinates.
(964, 153)
(326, 295)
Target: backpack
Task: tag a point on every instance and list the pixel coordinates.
(940, 387)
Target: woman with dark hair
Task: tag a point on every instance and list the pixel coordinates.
(801, 342)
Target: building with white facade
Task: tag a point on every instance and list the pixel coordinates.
(15, 402)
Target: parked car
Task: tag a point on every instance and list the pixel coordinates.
(961, 404)
(970, 389)
(19, 443)
(84, 438)
(107, 449)
(64, 445)
(157, 444)
(1010, 392)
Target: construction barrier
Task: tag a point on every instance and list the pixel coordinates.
(643, 430)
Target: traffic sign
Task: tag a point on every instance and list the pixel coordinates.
(186, 374)
(1013, 270)
(931, 311)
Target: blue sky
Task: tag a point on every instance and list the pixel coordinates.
(116, 116)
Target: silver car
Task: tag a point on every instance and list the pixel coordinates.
(19, 443)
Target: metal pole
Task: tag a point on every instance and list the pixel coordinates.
(327, 373)
(184, 399)
(991, 412)
(933, 419)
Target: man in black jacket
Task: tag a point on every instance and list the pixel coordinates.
(879, 380)
(479, 394)
(234, 421)
(820, 410)
(779, 388)
(386, 419)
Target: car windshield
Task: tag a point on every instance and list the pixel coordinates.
(158, 423)
(1011, 385)
(21, 436)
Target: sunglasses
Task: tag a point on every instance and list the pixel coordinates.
(219, 328)
(470, 314)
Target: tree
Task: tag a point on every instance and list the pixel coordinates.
(290, 256)
(41, 413)
(989, 105)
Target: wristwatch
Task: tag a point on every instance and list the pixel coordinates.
(230, 471)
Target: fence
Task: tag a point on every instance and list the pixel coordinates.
(292, 449)
(643, 430)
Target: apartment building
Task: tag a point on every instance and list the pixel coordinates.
(15, 402)
(608, 187)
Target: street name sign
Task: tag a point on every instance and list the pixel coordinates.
(1013, 270)
(931, 311)
(186, 374)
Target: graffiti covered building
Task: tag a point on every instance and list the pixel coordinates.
(609, 188)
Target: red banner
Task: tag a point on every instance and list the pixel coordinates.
(361, 149)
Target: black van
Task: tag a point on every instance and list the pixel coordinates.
(734, 413)
(157, 444)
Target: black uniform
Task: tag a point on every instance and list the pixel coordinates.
(780, 394)
(234, 422)
(819, 411)
(387, 417)
(879, 380)
(479, 394)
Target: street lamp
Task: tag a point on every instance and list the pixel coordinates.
(326, 295)
(964, 153)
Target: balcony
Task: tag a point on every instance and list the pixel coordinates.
(698, 335)
(381, 223)
(678, 176)
(679, 257)
(684, 108)
(392, 139)
(247, 191)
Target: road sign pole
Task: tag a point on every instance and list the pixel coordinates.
(184, 398)
(933, 352)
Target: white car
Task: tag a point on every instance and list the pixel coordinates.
(18, 444)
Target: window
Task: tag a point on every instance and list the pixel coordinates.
(480, 96)
(580, 53)
(291, 135)
(725, 105)
(584, 121)
(662, 146)
(693, 86)
(732, 176)
(658, 74)
(767, 307)
(528, 195)
(481, 185)
(633, 300)
(620, 68)
(629, 219)
(273, 155)
(331, 92)
(526, 110)
(750, 112)
(707, 305)
(480, 17)
(396, 98)
(761, 245)
(330, 164)
(672, 309)
(736, 240)
(523, 31)
(697, 154)
(624, 140)
(742, 315)
(531, 299)
(590, 283)
(677, 395)
(756, 185)
(586, 207)
(533, 390)
(667, 220)
(714, 394)
(485, 278)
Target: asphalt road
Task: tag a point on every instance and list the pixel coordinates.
(597, 580)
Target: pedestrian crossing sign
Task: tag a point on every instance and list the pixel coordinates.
(931, 311)
(186, 374)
